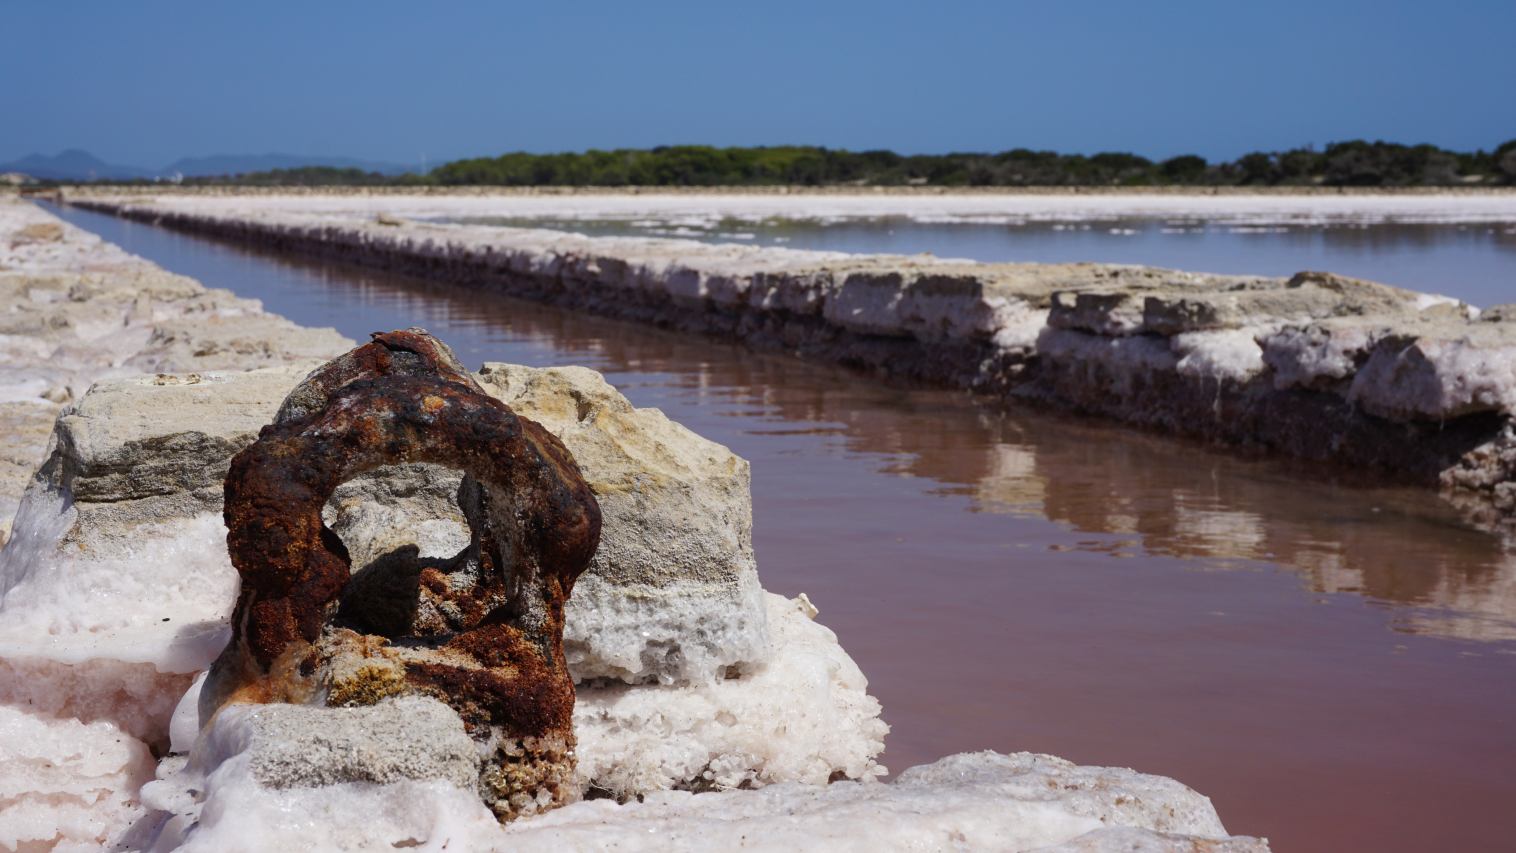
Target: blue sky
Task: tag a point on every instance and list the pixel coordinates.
(144, 83)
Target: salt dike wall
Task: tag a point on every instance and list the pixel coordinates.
(1319, 367)
(125, 391)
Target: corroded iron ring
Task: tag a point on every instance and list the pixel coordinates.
(405, 399)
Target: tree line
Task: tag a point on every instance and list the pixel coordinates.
(1341, 164)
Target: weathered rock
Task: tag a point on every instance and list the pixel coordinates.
(124, 516)
(407, 737)
(801, 714)
(673, 592)
(1305, 297)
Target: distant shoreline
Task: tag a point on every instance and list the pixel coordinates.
(798, 190)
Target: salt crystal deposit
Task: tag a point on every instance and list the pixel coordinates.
(981, 801)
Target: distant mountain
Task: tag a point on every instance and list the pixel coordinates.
(241, 164)
(77, 165)
(73, 165)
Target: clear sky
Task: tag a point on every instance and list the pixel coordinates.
(143, 83)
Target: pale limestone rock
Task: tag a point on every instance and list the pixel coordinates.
(673, 592)
(301, 746)
(1305, 297)
(119, 552)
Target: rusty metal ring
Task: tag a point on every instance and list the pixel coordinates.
(404, 398)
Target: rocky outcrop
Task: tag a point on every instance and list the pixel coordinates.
(1318, 366)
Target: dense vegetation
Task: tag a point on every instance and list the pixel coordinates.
(310, 176)
(1341, 164)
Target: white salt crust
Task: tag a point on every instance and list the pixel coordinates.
(67, 785)
(160, 598)
(981, 801)
(1438, 377)
(702, 211)
(800, 716)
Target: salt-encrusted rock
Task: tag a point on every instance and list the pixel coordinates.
(803, 714)
(672, 594)
(300, 746)
(119, 552)
(1320, 356)
(1443, 372)
(979, 801)
(1305, 297)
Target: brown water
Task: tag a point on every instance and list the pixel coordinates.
(1332, 664)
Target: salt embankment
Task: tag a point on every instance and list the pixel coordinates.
(116, 588)
(703, 207)
(1320, 367)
